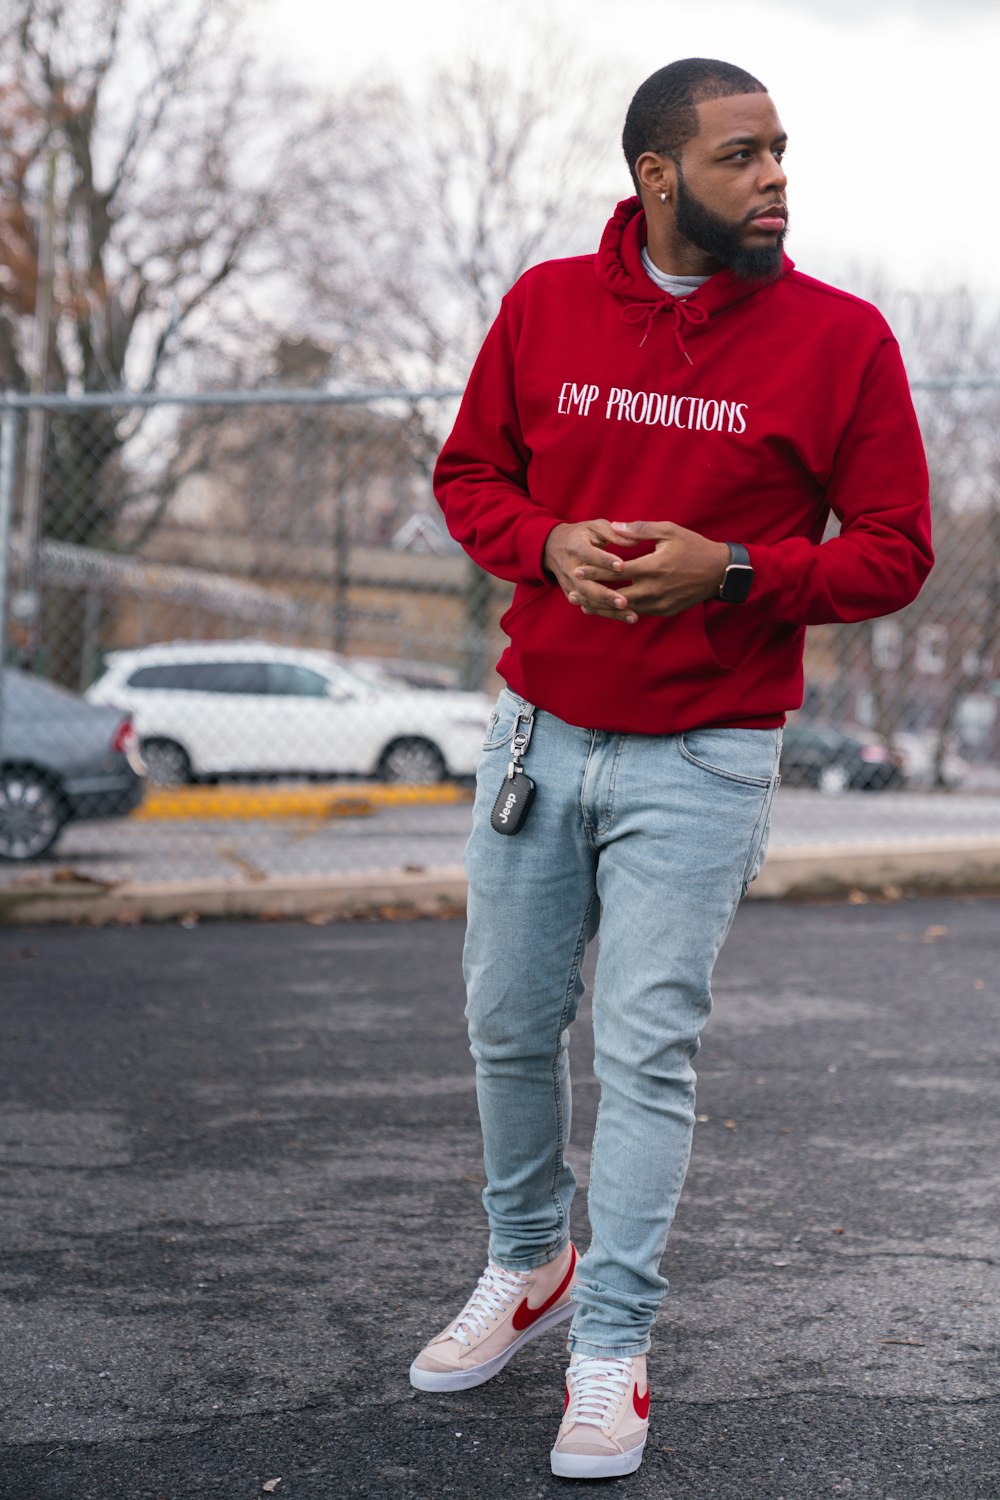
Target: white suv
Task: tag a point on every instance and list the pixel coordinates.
(249, 707)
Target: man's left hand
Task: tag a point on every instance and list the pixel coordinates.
(685, 568)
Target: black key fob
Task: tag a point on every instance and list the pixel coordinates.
(513, 801)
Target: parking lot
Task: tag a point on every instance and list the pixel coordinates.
(240, 1170)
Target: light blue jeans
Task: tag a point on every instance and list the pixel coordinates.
(655, 838)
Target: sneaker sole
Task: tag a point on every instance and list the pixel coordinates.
(464, 1380)
(592, 1466)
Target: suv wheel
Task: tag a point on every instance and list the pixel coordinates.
(412, 760)
(834, 780)
(31, 813)
(167, 762)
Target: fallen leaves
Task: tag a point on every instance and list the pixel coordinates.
(935, 933)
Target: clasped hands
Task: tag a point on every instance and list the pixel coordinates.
(683, 569)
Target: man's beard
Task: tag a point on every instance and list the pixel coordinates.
(721, 239)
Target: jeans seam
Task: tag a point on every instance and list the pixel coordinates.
(588, 830)
(760, 824)
(561, 1141)
(612, 784)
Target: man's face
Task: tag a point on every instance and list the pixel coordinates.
(730, 185)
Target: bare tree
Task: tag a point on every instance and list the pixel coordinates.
(183, 180)
(949, 340)
(483, 174)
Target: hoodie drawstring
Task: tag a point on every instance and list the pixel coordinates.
(681, 310)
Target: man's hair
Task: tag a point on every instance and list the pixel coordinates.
(662, 116)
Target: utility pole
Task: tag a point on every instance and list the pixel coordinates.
(27, 602)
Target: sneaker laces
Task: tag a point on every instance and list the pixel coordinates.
(495, 1289)
(596, 1387)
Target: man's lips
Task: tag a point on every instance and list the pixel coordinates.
(772, 219)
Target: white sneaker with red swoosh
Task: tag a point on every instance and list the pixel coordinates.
(606, 1418)
(506, 1310)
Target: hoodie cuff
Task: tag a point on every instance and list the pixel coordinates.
(529, 544)
(768, 575)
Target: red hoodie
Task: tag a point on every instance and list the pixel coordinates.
(746, 412)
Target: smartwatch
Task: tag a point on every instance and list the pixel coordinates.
(736, 585)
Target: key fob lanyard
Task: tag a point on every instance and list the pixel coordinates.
(517, 790)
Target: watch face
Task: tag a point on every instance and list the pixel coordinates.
(736, 586)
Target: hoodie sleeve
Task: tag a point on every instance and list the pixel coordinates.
(878, 490)
(481, 476)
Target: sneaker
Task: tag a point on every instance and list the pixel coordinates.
(506, 1311)
(606, 1417)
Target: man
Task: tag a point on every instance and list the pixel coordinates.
(650, 446)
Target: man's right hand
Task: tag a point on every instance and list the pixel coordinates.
(569, 548)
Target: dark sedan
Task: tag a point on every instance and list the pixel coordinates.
(818, 755)
(61, 760)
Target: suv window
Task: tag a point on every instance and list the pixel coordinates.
(203, 676)
(228, 677)
(291, 681)
(172, 674)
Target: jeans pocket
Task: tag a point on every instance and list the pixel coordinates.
(747, 757)
(506, 712)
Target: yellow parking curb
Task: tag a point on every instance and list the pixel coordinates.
(353, 799)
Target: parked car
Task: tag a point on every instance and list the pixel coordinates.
(397, 673)
(919, 752)
(207, 709)
(61, 760)
(834, 761)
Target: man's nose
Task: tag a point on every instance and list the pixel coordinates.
(772, 176)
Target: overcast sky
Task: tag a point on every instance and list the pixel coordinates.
(890, 105)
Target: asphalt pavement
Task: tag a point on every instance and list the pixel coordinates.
(239, 1186)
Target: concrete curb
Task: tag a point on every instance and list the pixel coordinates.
(962, 862)
(816, 872)
(392, 893)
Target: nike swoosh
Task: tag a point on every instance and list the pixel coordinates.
(524, 1315)
(641, 1403)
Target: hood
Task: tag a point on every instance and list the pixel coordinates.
(620, 270)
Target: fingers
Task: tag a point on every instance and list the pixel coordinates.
(569, 547)
(589, 575)
(605, 603)
(681, 571)
(645, 531)
(607, 572)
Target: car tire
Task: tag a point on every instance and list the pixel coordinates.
(833, 781)
(167, 763)
(32, 813)
(412, 760)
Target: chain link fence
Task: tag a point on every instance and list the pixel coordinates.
(239, 641)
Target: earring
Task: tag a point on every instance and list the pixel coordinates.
(663, 199)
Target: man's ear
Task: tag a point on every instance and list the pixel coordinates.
(657, 175)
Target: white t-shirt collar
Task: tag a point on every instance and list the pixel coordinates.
(677, 286)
